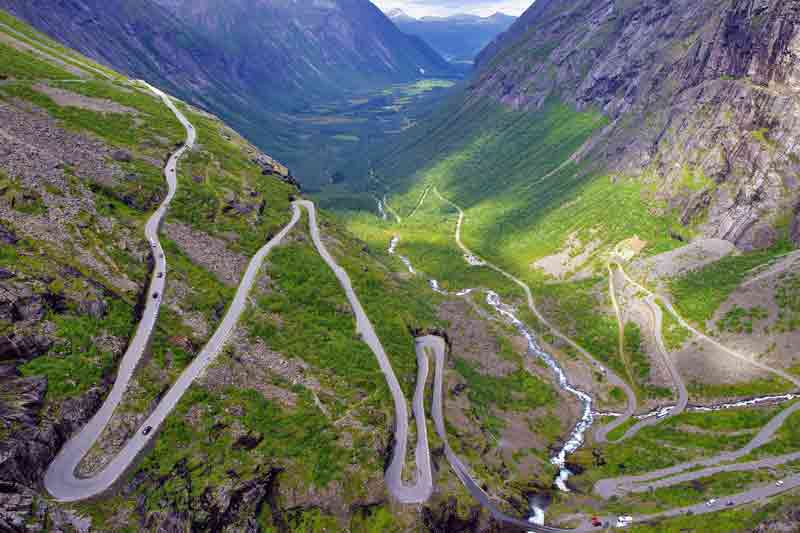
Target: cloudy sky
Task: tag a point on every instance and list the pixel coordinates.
(421, 8)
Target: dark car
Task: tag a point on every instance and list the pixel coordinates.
(147, 430)
(160, 275)
(155, 296)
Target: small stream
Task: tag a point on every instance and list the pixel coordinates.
(382, 209)
(578, 435)
(404, 259)
(661, 412)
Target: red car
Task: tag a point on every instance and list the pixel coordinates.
(596, 522)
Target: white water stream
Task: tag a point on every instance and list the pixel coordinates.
(665, 410)
(578, 435)
(382, 210)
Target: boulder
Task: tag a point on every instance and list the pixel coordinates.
(122, 156)
(15, 347)
(7, 236)
(27, 309)
(239, 208)
(248, 441)
(184, 343)
(21, 400)
(8, 371)
(93, 308)
(760, 237)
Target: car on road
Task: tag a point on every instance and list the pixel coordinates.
(596, 522)
(711, 502)
(730, 503)
(155, 296)
(779, 483)
(147, 430)
(160, 275)
(624, 521)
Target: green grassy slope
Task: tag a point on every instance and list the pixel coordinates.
(524, 199)
(327, 441)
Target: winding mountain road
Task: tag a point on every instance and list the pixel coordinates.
(422, 488)
(699, 334)
(677, 380)
(60, 479)
(645, 482)
(435, 345)
(62, 483)
(601, 433)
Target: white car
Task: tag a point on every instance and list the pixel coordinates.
(624, 521)
(711, 502)
(779, 483)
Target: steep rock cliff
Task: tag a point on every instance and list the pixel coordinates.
(703, 99)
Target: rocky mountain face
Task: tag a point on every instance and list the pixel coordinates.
(140, 38)
(251, 62)
(702, 99)
(307, 47)
(459, 38)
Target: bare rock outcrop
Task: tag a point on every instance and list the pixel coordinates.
(690, 88)
(795, 228)
(210, 252)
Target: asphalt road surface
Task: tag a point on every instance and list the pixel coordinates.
(60, 479)
(677, 379)
(422, 488)
(63, 485)
(620, 486)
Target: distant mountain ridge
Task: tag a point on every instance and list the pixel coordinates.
(250, 61)
(459, 37)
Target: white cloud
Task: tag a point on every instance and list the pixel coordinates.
(421, 8)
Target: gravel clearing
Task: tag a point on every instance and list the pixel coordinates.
(685, 259)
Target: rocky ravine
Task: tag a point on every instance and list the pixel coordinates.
(718, 78)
